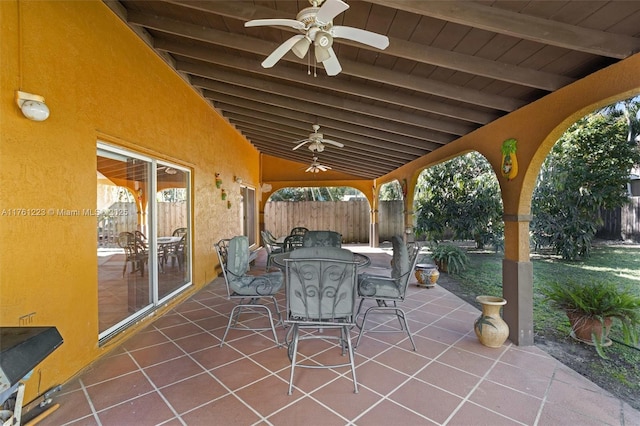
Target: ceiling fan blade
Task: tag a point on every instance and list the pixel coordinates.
(275, 22)
(330, 9)
(300, 144)
(332, 65)
(329, 141)
(280, 51)
(369, 38)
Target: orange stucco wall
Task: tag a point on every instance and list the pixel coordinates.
(101, 83)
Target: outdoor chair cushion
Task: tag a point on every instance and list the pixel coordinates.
(249, 285)
(383, 286)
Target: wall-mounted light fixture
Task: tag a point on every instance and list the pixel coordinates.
(238, 179)
(32, 106)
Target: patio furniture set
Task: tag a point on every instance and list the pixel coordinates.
(322, 287)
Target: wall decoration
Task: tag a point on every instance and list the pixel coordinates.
(509, 165)
(228, 204)
(218, 180)
(224, 194)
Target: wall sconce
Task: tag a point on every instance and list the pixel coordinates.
(238, 179)
(218, 180)
(266, 187)
(32, 106)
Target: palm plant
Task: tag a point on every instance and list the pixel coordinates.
(600, 301)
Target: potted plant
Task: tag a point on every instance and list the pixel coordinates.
(450, 258)
(592, 307)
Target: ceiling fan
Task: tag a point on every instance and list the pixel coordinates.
(316, 167)
(317, 141)
(316, 24)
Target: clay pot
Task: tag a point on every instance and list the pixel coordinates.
(583, 328)
(490, 328)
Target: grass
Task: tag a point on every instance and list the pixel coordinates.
(620, 374)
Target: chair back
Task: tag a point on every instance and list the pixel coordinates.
(134, 247)
(179, 232)
(299, 230)
(222, 249)
(403, 262)
(321, 285)
(293, 242)
(322, 239)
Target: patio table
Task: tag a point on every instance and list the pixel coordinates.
(280, 260)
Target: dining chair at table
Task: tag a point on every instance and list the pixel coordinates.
(387, 291)
(293, 242)
(321, 295)
(322, 239)
(247, 290)
(135, 252)
(271, 246)
(177, 252)
(298, 230)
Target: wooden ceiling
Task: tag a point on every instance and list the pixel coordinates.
(450, 68)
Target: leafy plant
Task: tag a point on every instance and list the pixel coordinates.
(462, 197)
(586, 171)
(599, 300)
(454, 257)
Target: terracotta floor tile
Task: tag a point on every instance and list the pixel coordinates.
(526, 380)
(413, 394)
(268, 395)
(340, 397)
(108, 368)
(181, 331)
(595, 404)
(150, 409)
(114, 391)
(239, 373)
(517, 406)
(388, 413)
(466, 361)
(227, 410)
(197, 342)
(306, 412)
(81, 409)
(472, 414)
(149, 337)
(378, 377)
(156, 354)
(172, 371)
(193, 392)
(449, 378)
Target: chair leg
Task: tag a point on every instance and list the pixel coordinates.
(345, 330)
(400, 315)
(235, 315)
(294, 354)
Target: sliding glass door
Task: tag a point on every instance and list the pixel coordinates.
(143, 235)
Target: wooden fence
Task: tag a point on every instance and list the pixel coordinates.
(350, 218)
(124, 218)
(622, 223)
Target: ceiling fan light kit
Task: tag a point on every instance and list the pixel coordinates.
(316, 22)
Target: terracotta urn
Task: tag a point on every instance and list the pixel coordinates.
(490, 328)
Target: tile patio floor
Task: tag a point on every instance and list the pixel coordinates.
(175, 373)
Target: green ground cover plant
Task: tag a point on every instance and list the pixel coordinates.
(620, 373)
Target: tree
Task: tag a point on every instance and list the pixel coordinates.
(310, 194)
(587, 170)
(461, 196)
(391, 191)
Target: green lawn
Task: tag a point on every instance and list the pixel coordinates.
(619, 374)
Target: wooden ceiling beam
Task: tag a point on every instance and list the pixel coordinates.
(408, 50)
(522, 26)
(367, 72)
(404, 135)
(223, 102)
